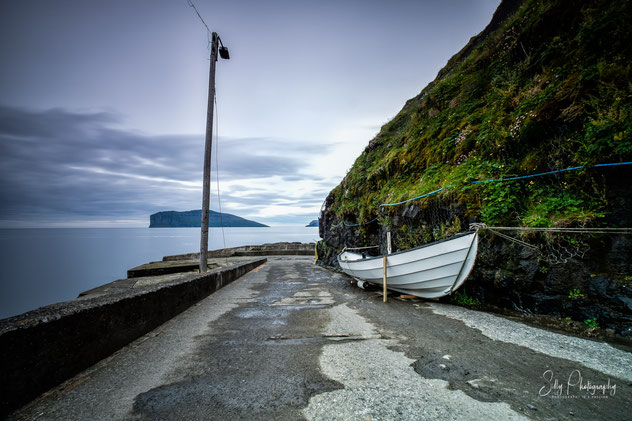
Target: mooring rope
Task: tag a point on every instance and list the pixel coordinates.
(360, 248)
(622, 231)
(354, 225)
(415, 198)
(480, 226)
(496, 230)
(511, 179)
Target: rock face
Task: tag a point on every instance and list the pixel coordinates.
(193, 218)
(525, 96)
(314, 223)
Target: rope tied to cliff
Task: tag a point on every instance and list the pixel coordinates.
(580, 230)
(493, 180)
(553, 196)
(346, 224)
(502, 179)
(360, 248)
(554, 251)
(481, 226)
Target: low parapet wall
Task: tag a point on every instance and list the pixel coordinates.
(269, 249)
(44, 347)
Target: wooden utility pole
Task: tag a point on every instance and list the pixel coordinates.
(206, 186)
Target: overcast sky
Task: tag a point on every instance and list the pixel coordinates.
(103, 103)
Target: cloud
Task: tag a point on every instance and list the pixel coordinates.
(24, 123)
(59, 166)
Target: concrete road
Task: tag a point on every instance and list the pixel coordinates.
(291, 340)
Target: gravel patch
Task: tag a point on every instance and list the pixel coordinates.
(599, 356)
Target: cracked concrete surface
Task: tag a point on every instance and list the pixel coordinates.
(380, 383)
(291, 340)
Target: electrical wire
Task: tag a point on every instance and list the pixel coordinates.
(219, 200)
(208, 30)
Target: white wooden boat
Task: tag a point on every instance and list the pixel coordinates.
(430, 271)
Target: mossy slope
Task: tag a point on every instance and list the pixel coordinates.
(548, 85)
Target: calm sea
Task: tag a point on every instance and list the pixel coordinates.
(45, 266)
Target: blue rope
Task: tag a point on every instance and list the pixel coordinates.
(508, 179)
(354, 225)
(364, 223)
(483, 181)
(415, 198)
(527, 176)
(612, 164)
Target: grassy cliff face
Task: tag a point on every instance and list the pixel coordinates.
(549, 88)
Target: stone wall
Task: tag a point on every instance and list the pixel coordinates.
(44, 347)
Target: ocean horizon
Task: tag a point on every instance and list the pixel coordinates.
(43, 266)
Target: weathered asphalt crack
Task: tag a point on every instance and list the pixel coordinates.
(381, 384)
(483, 368)
(238, 371)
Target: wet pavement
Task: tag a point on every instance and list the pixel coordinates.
(291, 340)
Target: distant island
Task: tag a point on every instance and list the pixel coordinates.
(193, 218)
(314, 223)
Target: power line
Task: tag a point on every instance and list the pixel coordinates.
(208, 31)
(219, 200)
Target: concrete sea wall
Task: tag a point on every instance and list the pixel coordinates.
(269, 249)
(44, 347)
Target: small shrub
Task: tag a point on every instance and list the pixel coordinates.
(462, 299)
(501, 200)
(575, 294)
(591, 323)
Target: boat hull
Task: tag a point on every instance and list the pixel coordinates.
(430, 271)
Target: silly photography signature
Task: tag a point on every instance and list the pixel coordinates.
(575, 386)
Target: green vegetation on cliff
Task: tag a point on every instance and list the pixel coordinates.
(549, 87)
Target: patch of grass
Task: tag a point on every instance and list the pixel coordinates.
(591, 323)
(575, 294)
(462, 299)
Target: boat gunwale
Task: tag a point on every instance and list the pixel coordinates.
(443, 240)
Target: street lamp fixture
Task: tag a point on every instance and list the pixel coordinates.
(223, 51)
